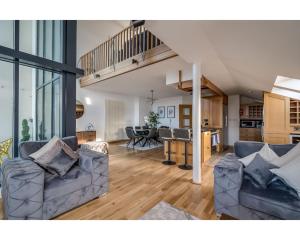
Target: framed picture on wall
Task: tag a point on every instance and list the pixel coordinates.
(161, 111)
(171, 111)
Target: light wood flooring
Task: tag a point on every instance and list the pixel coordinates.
(138, 181)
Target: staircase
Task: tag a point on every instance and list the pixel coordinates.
(132, 48)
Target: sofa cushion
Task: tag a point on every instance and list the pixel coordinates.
(266, 152)
(273, 202)
(259, 172)
(58, 186)
(56, 157)
(289, 156)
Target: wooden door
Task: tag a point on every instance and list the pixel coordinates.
(276, 119)
(185, 116)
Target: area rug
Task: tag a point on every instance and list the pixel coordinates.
(165, 211)
(140, 148)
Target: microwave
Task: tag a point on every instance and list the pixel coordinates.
(248, 124)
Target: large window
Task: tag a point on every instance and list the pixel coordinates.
(42, 38)
(37, 80)
(6, 102)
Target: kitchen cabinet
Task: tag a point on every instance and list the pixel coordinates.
(276, 119)
(206, 146)
(250, 134)
(216, 112)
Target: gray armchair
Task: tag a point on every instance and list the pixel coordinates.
(29, 192)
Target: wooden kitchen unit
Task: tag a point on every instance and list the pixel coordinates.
(276, 119)
(178, 154)
(250, 134)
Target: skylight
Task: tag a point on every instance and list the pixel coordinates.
(288, 83)
(289, 87)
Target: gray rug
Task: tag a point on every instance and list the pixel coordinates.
(140, 148)
(165, 211)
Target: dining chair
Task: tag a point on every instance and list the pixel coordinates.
(132, 136)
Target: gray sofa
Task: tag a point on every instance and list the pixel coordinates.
(235, 196)
(29, 192)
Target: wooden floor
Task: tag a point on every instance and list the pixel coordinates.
(138, 181)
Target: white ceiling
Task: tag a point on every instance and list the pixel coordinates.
(238, 56)
(141, 81)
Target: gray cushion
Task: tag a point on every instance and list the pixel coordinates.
(58, 186)
(259, 172)
(59, 164)
(273, 202)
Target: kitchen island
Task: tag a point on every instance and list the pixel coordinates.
(178, 151)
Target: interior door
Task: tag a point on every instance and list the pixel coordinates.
(185, 116)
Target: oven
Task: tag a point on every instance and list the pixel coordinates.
(294, 138)
(248, 124)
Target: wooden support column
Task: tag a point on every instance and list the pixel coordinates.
(197, 123)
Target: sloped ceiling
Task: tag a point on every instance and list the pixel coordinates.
(238, 56)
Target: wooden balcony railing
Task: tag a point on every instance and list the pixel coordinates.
(124, 45)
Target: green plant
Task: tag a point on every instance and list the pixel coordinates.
(153, 119)
(25, 131)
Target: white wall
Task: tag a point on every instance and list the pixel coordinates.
(172, 101)
(233, 119)
(95, 112)
(90, 34)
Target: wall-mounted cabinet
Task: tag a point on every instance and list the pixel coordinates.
(294, 112)
(251, 111)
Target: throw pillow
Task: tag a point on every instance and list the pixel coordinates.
(289, 156)
(259, 171)
(265, 152)
(59, 164)
(56, 157)
(290, 174)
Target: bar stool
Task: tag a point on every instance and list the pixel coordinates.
(166, 135)
(184, 135)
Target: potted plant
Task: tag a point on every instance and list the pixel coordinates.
(153, 119)
(25, 131)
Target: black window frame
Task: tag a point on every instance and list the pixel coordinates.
(67, 68)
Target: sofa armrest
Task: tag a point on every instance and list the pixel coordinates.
(89, 159)
(228, 177)
(22, 189)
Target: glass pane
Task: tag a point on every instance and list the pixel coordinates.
(40, 113)
(57, 111)
(6, 106)
(47, 111)
(42, 38)
(186, 111)
(27, 103)
(186, 122)
(7, 33)
(28, 36)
